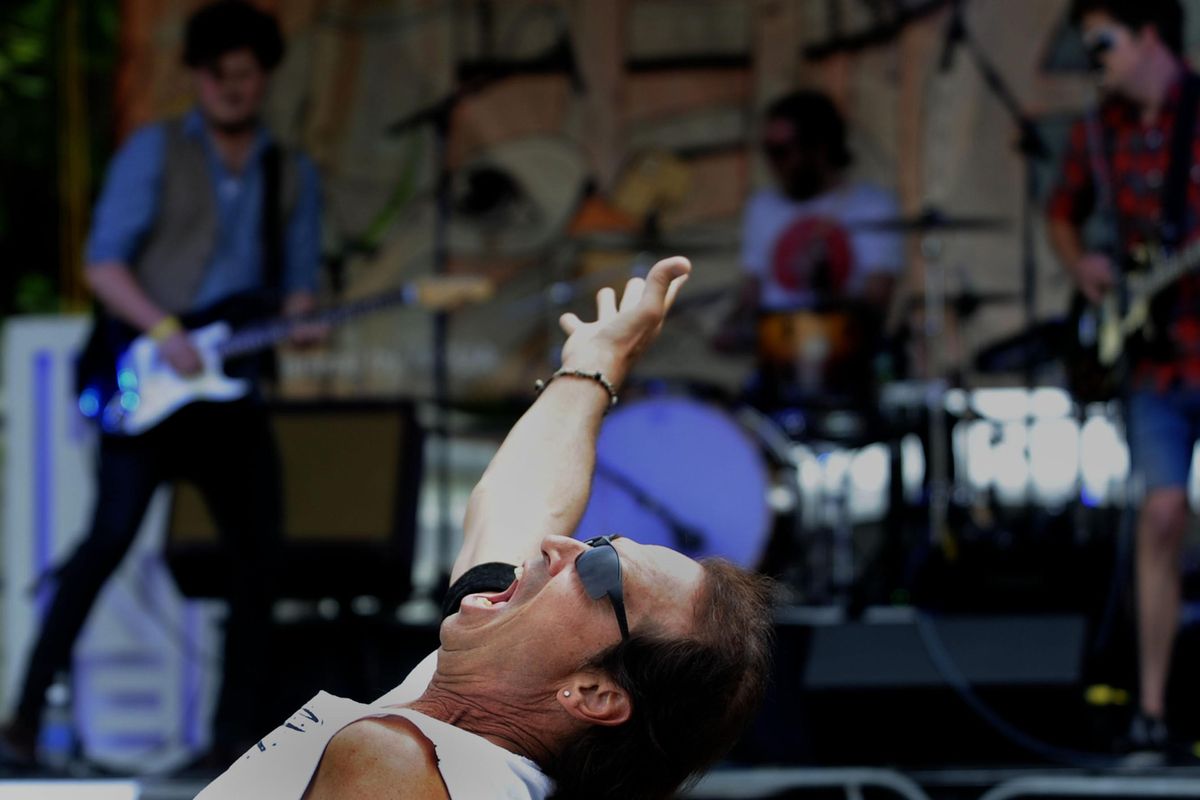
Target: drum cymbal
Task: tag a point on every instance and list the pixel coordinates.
(932, 219)
(1040, 344)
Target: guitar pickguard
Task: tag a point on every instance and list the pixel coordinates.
(150, 390)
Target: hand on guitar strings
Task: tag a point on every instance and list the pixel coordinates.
(306, 334)
(181, 354)
(1094, 275)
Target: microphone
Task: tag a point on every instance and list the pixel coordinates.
(954, 34)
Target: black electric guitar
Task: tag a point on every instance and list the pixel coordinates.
(1100, 334)
(124, 383)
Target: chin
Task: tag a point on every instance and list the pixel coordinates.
(233, 121)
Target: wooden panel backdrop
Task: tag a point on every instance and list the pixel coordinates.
(667, 126)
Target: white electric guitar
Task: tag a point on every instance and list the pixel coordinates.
(1125, 310)
(126, 384)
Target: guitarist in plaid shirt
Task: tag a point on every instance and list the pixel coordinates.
(1136, 160)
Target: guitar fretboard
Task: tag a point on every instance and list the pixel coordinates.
(267, 334)
(1172, 268)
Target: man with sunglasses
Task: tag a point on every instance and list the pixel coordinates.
(1130, 165)
(599, 668)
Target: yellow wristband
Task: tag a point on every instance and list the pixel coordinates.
(165, 328)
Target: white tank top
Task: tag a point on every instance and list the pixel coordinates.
(282, 764)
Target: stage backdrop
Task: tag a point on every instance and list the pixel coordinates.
(619, 117)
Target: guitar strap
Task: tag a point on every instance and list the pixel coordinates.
(272, 222)
(1100, 149)
(265, 365)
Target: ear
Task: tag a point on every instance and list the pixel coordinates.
(595, 699)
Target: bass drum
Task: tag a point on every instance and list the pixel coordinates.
(682, 473)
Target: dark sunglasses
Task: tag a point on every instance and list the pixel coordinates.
(1098, 44)
(599, 568)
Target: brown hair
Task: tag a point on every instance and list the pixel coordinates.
(1166, 16)
(692, 697)
(228, 25)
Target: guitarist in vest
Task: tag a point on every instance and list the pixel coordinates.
(1134, 160)
(180, 226)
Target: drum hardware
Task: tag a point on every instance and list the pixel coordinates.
(966, 302)
(1037, 346)
(842, 425)
(939, 474)
(931, 220)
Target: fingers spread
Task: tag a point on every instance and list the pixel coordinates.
(606, 302)
(633, 293)
(673, 290)
(663, 276)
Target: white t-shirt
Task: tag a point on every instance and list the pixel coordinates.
(799, 250)
(282, 764)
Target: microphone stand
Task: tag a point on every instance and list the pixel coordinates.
(1032, 148)
(474, 78)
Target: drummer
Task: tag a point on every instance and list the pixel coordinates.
(801, 250)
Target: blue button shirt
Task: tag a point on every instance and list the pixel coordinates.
(128, 205)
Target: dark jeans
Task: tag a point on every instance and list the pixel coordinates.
(228, 451)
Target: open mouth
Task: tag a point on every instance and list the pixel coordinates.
(494, 599)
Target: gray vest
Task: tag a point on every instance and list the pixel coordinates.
(170, 267)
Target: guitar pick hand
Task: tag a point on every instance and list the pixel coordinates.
(179, 352)
(1094, 275)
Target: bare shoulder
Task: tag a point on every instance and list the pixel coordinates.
(384, 758)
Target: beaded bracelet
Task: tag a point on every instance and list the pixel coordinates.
(540, 385)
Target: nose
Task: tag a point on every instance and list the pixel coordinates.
(560, 551)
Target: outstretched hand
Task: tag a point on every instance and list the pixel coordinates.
(623, 329)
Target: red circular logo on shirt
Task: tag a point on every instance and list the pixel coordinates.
(813, 253)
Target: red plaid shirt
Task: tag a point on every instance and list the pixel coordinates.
(1138, 162)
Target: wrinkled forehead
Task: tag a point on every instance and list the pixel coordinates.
(661, 585)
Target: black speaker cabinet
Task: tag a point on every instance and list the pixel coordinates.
(351, 478)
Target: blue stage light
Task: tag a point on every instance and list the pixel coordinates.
(89, 403)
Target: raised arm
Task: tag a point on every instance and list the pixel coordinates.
(539, 480)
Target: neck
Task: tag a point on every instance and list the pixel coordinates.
(1156, 78)
(833, 180)
(234, 144)
(523, 726)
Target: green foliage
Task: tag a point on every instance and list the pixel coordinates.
(24, 50)
(35, 294)
(31, 38)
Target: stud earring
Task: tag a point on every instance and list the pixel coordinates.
(566, 692)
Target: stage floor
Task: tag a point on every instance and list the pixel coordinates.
(952, 783)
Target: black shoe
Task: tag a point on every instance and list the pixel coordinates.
(1146, 744)
(1147, 733)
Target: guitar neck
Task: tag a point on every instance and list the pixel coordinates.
(1173, 268)
(267, 334)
